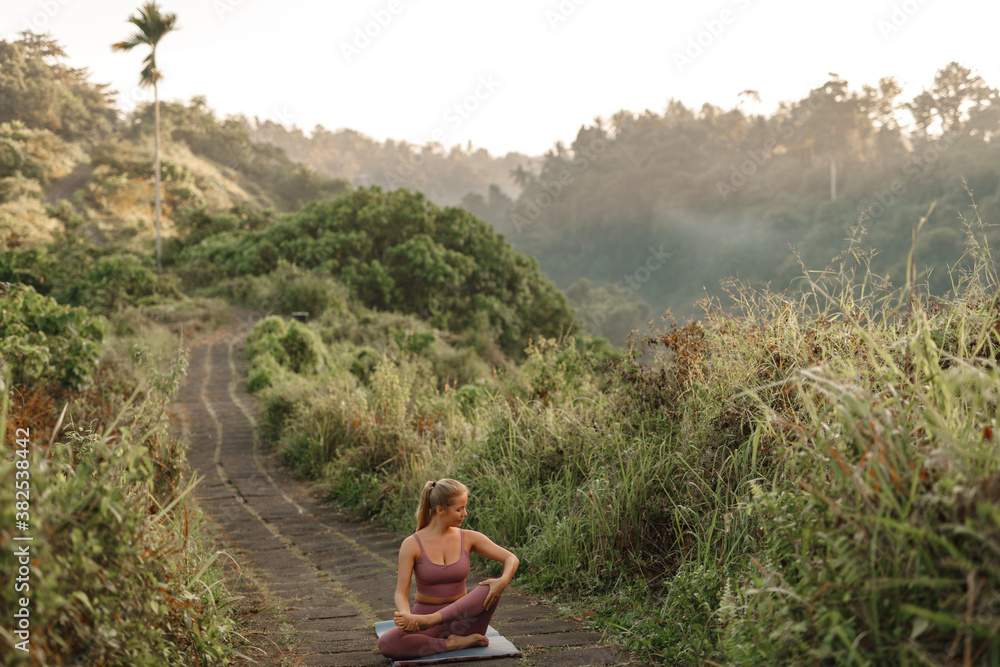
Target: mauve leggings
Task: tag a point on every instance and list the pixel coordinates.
(465, 616)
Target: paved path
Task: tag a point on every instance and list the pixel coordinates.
(334, 578)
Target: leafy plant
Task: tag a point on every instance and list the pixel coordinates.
(44, 341)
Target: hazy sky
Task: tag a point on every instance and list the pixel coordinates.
(511, 74)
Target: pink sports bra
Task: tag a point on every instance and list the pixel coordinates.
(441, 581)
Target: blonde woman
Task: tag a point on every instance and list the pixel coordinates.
(444, 617)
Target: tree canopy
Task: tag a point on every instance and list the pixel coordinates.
(397, 251)
(39, 90)
(726, 191)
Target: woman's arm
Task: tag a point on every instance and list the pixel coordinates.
(485, 547)
(406, 560)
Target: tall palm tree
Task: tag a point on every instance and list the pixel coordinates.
(152, 26)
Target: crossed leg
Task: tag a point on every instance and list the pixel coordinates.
(455, 625)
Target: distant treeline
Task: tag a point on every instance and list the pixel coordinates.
(444, 174)
(725, 192)
(641, 212)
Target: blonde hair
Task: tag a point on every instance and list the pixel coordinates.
(435, 494)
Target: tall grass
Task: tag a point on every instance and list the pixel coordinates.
(883, 529)
(801, 477)
(121, 571)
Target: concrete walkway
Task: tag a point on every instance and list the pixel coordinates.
(334, 578)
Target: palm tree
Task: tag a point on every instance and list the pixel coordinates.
(521, 176)
(152, 26)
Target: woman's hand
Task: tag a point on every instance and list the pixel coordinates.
(406, 625)
(496, 588)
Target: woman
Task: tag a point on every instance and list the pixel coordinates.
(444, 617)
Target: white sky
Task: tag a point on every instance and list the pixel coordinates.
(285, 60)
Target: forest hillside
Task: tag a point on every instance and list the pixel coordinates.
(728, 192)
(805, 473)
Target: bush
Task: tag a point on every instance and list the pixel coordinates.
(396, 251)
(300, 350)
(102, 584)
(46, 342)
(364, 363)
(291, 345)
(118, 572)
(116, 281)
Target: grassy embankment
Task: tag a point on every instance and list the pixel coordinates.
(122, 570)
(796, 478)
(810, 478)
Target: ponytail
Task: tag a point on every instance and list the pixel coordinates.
(435, 494)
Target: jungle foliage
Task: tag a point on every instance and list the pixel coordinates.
(395, 251)
(726, 191)
(801, 476)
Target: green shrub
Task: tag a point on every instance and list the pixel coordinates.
(263, 373)
(300, 349)
(364, 363)
(554, 368)
(396, 251)
(119, 280)
(474, 395)
(412, 342)
(44, 341)
(118, 570)
(287, 290)
(103, 582)
(390, 397)
(306, 292)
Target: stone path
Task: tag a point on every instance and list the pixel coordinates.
(334, 578)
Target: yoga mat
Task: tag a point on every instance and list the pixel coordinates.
(500, 647)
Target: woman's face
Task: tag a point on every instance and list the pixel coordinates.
(455, 513)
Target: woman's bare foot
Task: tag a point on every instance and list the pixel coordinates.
(423, 621)
(455, 642)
